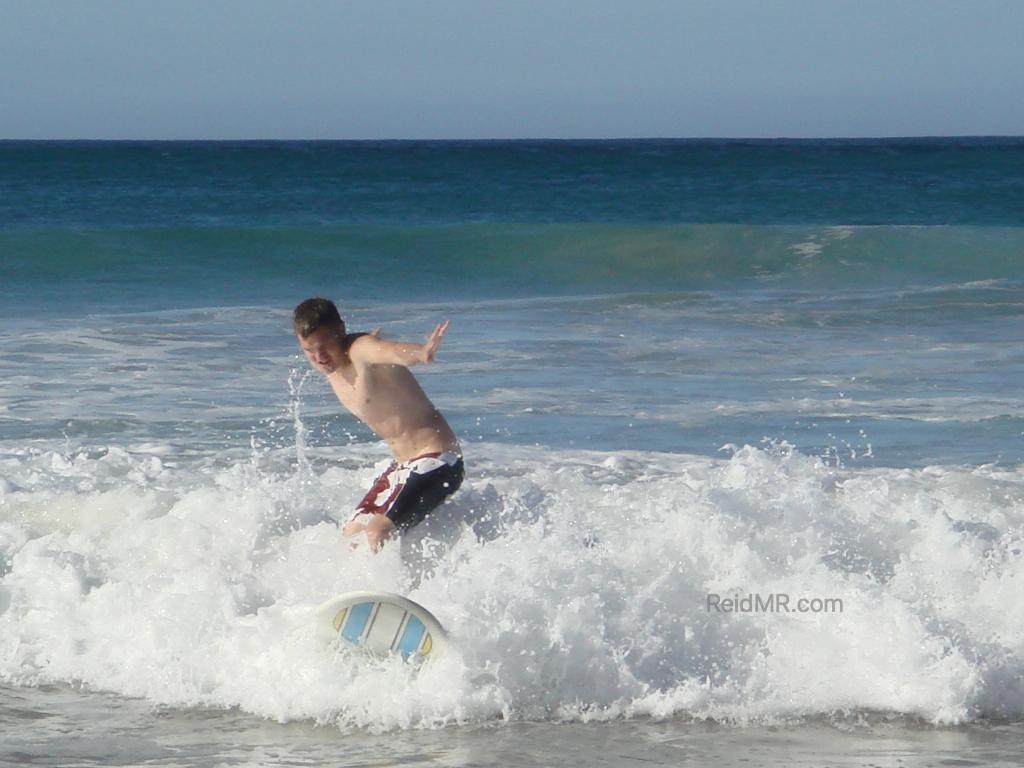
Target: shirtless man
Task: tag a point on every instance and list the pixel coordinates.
(371, 378)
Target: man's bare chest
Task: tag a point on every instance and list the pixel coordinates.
(352, 390)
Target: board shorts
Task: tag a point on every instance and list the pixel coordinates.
(406, 492)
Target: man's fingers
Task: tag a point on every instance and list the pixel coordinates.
(434, 340)
(439, 331)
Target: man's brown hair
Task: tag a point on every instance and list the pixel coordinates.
(316, 313)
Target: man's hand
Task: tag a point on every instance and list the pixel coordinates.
(434, 341)
(378, 530)
(376, 527)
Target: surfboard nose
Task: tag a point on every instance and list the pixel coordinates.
(380, 623)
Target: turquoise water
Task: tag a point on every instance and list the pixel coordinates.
(798, 363)
(103, 224)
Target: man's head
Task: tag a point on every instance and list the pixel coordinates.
(321, 333)
(316, 313)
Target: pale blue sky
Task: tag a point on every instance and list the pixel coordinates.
(522, 68)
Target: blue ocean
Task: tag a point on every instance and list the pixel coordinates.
(678, 368)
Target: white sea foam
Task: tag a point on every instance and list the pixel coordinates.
(808, 249)
(574, 584)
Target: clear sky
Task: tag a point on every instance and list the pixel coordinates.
(320, 69)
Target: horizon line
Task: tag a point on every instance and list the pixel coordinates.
(493, 140)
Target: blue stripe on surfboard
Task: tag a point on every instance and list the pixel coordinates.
(358, 615)
(411, 637)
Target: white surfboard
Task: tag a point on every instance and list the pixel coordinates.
(381, 623)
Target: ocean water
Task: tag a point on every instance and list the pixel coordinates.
(682, 372)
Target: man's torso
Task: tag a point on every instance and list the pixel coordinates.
(389, 400)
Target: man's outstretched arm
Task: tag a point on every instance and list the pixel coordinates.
(375, 351)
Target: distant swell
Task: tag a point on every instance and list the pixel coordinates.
(182, 265)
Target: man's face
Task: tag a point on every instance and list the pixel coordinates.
(323, 349)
